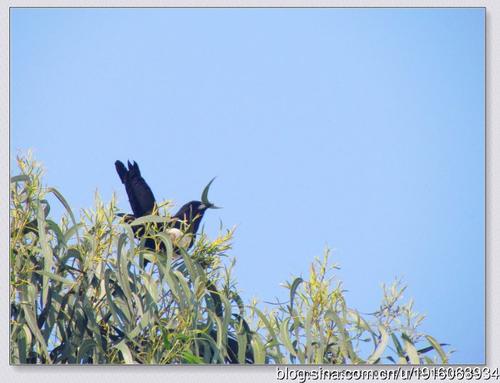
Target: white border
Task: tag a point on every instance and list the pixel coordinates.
(243, 374)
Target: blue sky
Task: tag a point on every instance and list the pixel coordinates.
(360, 129)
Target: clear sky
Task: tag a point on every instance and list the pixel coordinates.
(358, 129)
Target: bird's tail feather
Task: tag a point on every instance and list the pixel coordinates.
(121, 170)
(133, 168)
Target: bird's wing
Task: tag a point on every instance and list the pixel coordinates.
(140, 196)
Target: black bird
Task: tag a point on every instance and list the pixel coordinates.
(185, 225)
(185, 222)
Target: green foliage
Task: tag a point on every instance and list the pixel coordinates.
(79, 293)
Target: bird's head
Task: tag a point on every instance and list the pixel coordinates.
(192, 212)
(195, 207)
(189, 216)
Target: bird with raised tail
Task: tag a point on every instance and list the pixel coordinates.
(184, 224)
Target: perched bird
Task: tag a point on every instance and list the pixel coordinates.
(185, 223)
(182, 230)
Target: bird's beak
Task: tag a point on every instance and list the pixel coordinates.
(204, 197)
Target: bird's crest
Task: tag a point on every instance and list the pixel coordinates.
(204, 196)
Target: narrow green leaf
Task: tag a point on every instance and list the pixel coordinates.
(31, 321)
(84, 349)
(308, 330)
(71, 232)
(125, 351)
(122, 272)
(259, 350)
(285, 337)
(20, 178)
(63, 201)
(48, 260)
(295, 284)
(270, 329)
(55, 277)
(399, 348)
(191, 359)
(381, 346)
(410, 349)
(149, 219)
(242, 347)
(437, 346)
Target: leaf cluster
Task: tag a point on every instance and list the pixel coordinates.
(80, 293)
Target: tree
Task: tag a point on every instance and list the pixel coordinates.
(79, 294)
